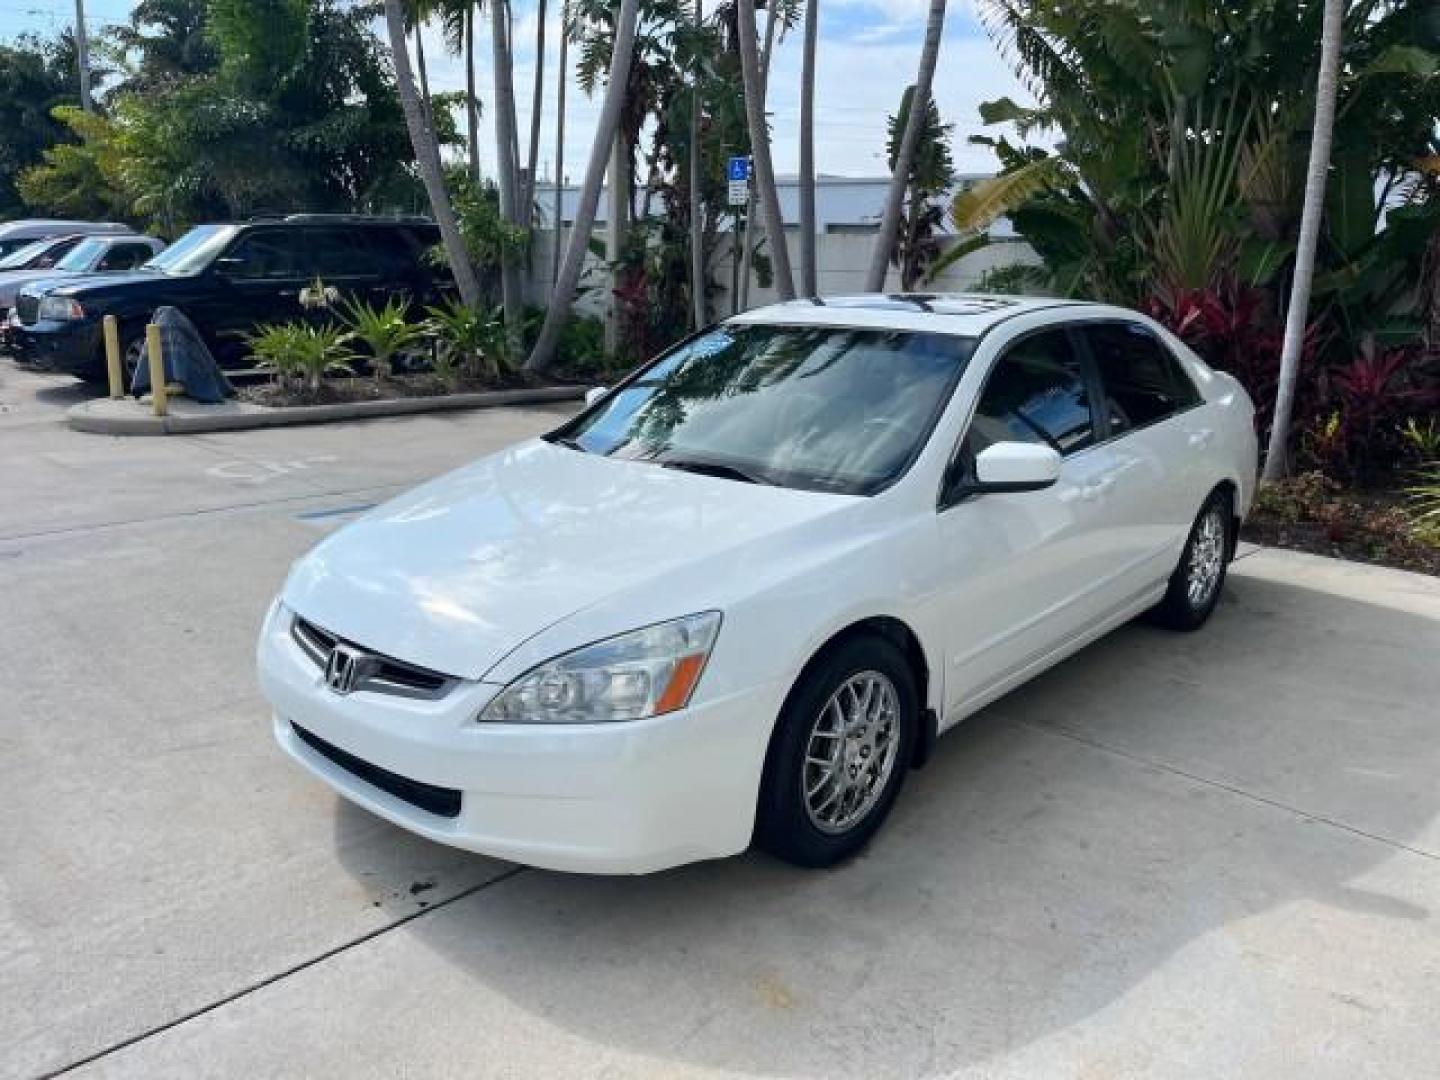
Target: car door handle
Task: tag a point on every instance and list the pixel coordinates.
(1202, 438)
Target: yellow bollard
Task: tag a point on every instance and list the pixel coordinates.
(159, 398)
(112, 357)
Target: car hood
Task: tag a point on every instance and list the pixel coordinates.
(12, 281)
(459, 572)
(110, 281)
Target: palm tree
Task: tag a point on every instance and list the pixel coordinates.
(560, 80)
(915, 122)
(536, 108)
(427, 159)
(417, 11)
(697, 216)
(1276, 455)
(505, 146)
(768, 198)
(564, 296)
(808, 277)
(472, 99)
(747, 245)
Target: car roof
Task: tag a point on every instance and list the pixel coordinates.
(962, 314)
(44, 228)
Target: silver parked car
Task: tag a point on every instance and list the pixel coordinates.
(103, 254)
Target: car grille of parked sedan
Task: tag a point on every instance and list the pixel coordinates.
(374, 672)
(440, 801)
(28, 308)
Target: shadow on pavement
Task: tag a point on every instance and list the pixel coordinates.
(1030, 877)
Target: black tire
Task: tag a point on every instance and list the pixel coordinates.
(132, 351)
(785, 823)
(1199, 579)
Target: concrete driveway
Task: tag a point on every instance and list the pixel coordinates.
(1211, 855)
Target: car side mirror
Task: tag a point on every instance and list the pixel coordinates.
(594, 394)
(1013, 467)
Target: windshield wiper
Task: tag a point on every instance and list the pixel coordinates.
(714, 468)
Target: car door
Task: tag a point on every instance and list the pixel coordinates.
(256, 280)
(1021, 569)
(1156, 438)
(344, 260)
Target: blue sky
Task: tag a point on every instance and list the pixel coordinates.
(868, 51)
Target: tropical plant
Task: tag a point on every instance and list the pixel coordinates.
(36, 75)
(563, 296)
(384, 331)
(320, 351)
(302, 352)
(1425, 498)
(468, 338)
(904, 157)
(427, 156)
(809, 282)
(507, 154)
(275, 348)
(931, 176)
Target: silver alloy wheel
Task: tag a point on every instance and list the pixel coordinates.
(1207, 558)
(851, 752)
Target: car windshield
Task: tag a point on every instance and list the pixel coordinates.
(814, 407)
(82, 256)
(194, 251)
(17, 259)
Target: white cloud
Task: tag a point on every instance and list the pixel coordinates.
(860, 76)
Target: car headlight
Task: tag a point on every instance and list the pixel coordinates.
(60, 309)
(646, 672)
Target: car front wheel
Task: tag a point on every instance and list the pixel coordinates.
(839, 755)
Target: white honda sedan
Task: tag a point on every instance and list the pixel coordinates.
(737, 597)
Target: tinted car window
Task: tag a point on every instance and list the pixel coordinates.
(125, 257)
(339, 253)
(266, 256)
(1036, 393)
(1143, 382)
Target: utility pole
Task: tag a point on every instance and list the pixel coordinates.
(82, 50)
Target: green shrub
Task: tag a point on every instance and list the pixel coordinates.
(383, 331)
(469, 337)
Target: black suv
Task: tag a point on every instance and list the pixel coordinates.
(228, 278)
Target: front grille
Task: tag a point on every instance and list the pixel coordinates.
(440, 801)
(378, 673)
(28, 308)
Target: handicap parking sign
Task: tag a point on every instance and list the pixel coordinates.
(739, 169)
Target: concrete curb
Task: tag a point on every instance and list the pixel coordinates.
(106, 417)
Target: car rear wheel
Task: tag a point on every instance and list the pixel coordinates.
(1196, 584)
(839, 754)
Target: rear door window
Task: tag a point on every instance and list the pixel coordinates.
(1036, 393)
(338, 254)
(1143, 381)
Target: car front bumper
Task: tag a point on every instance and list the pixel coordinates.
(623, 798)
(70, 347)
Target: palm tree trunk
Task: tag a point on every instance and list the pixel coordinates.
(1277, 453)
(537, 106)
(697, 212)
(560, 78)
(808, 276)
(914, 124)
(748, 245)
(472, 107)
(767, 195)
(427, 157)
(504, 108)
(609, 122)
(427, 105)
